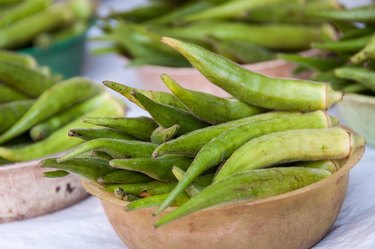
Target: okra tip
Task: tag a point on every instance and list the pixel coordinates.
(332, 96)
(174, 43)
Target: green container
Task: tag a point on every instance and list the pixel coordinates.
(64, 57)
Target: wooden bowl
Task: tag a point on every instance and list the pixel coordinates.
(294, 220)
(191, 78)
(358, 112)
(25, 193)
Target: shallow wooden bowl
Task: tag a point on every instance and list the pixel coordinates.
(294, 220)
(358, 112)
(25, 193)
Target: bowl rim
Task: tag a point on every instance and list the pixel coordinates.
(96, 190)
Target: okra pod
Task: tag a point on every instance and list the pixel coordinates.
(156, 200)
(190, 143)
(114, 147)
(140, 127)
(95, 133)
(124, 177)
(159, 97)
(22, 59)
(367, 53)
(222, 146)
(290, 146)
(157, 168)
(161, 135)
(52, 101)
(256, 89)
(9, 95)
(352, 15)
(166, 116)
(363, 76)
(11, 112)
(247, 186)
(208, 107)
(352, 45)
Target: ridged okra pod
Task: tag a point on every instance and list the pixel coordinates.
(247, 186)
(208, 107)
(256, 89)
(290, 146)
(139, 127)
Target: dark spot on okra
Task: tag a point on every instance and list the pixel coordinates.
(69, 188)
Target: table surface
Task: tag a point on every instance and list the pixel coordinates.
(84, 225)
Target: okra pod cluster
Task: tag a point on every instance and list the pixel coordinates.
(37, 110)
(242, 30)
(198, 150)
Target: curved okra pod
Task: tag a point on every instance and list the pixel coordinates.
(247, 186)
(140, 127)
(256, 89)
(352, 15)
(161, 135)
(24, 79)
(21, 59)
(368, 52)
(290, 146)
(159, 97)
(363, 76)
(114, 147)
(352, 45)
(88, 167)
(59, 141)
(208, 107)
(11, 112)
(47, 127)
(95, 133)
(156, 200)
(329, 165)
(190, 143)
(136, 189)
(52, 101)
(167, 116)
(8, 94)
(159, 168)
(222, 146)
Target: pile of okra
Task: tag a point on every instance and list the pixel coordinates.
(40, 23)
(347, 63)
(241, 30)
(37, 108)
(199, 150)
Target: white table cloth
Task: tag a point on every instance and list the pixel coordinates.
(84, 225)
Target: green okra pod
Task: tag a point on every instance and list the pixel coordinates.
(355, 88)
(161, 135)
(95, 133)
(208, 107)
(329, 165)
(159, 97)
(318, 63)
(11, 112)
(151, 188)
(256, 89)
(59, 140)
(22, 59)
(7, 94)
(157, 168)
(124, 177)
(166, 116)
(156, 200)
(87, 167)
(352, 15)
(367, 53)
(114, 147)
(52, 101)
(140, 127)
(24, 79)
(190, 143)
(290, 146)
(47, 127)
(55, 173)
(222, 146)
(352, 45)
(24, 9)
(191, 190)
(247, 186)
(363, 76)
